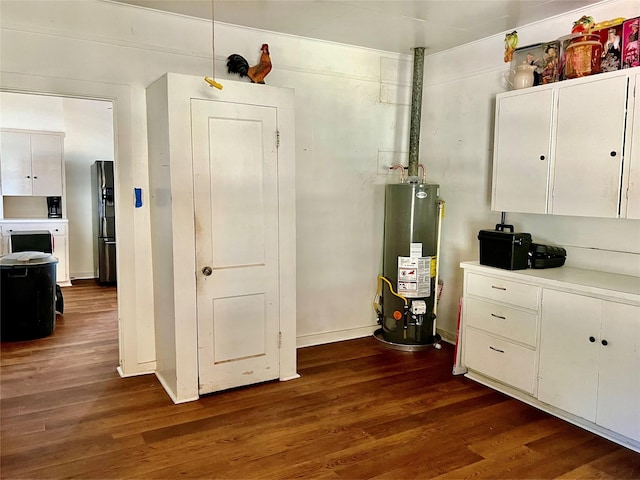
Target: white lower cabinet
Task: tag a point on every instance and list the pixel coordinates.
(565, 340)
(58, 229)
(500, 359)
(501, 323)
(590, 360)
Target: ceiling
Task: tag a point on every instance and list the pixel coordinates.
(389, 25)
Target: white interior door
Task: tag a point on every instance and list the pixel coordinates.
(236, 217)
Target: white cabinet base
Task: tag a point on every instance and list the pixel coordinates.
(59, 230)
(556, 412)
(564, 340)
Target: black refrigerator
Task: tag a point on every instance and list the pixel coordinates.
(104, 222)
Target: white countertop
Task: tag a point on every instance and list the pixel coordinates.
(33, 220)
(587, 282)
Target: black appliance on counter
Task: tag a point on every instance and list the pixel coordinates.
(104, 222)
(504, 248)
(31, 241)
(54, 207)
(546, 256)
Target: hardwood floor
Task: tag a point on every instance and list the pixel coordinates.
(358, 411)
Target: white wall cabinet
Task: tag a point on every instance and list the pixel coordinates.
(631, 199)
(589, 148)
(31, 163)
(565, 340)
(58, 229)
(599, 382)
(559, 148)
(522, 152)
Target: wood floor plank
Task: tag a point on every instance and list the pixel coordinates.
(359, 410)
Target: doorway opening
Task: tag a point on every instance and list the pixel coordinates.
(88, 128)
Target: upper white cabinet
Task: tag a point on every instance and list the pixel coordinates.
(31, 163)
(523, 150)
(589, 148)
(560, 148)
(631, 198)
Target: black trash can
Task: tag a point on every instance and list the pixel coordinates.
(28, 294)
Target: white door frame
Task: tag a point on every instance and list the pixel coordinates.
(129, 304)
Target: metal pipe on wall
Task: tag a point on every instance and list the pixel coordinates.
(416, 111)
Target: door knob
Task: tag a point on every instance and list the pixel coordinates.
(206, 271)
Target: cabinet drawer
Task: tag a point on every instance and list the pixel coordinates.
(499, 359)
(506, 291)
(501, 320)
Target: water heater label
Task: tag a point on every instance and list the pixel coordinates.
(414, 279)
(415, 250)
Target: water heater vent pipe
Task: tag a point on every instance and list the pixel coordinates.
(416, 111)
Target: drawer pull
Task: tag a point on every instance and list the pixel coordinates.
(498, 316)
(498, 288)
(496, 349)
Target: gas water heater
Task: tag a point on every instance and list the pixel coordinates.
(408, 284)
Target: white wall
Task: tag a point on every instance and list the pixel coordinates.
(91, 46)
(88, 129)
(89, 137)
(343, 131)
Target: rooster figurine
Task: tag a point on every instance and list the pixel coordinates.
(238, 64)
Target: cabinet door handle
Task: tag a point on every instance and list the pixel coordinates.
(613, 153)
(498, 316)
(28, 176)
(496, 349)
(592, 339)
(604, 343)
(498, 288)
(541, 157)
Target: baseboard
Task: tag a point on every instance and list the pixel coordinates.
(82, 275)
(447, 336)
(147, 369)
(171, 393)
(334, 336)
(350, 334)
